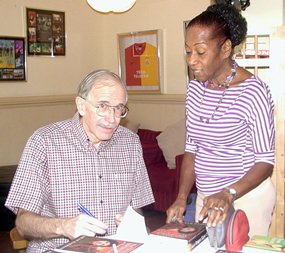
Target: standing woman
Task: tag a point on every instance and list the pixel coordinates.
(230, 137)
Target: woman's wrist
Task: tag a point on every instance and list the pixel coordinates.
(231, 192)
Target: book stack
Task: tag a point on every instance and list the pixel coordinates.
(176, 237)
(266, 243)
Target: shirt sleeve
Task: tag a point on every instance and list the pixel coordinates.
(263, 126)
(29, 185)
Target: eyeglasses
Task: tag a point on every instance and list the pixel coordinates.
(102, 109)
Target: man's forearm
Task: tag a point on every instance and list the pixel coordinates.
(34, 226)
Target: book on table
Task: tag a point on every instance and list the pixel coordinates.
(266, 243)
(185, 236)
(85, 244)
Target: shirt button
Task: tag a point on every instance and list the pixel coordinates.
(101, 201)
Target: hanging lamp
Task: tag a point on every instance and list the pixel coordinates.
(106, 6)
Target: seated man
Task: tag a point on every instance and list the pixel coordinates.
(88, 160)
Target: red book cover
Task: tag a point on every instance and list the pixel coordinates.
(194, 233)
(85, 244)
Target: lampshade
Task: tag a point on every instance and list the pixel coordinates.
(111, 5)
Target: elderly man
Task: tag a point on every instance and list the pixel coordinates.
(87, 160)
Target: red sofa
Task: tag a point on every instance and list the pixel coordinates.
(164, 181)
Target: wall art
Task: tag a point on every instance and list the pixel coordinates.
(12, 59)
(140, 62)
(45, 32)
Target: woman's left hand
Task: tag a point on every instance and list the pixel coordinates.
(215, 208)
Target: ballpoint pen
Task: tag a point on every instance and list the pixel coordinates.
(85, 210)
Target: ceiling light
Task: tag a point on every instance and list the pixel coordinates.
(106, 6)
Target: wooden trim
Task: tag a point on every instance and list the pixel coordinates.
(9, 102)
(157, 99)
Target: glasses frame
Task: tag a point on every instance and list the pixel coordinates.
(109, 107)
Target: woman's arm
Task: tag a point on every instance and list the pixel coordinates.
(187, 180)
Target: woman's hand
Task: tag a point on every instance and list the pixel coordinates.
(216, 207)
(176, 210)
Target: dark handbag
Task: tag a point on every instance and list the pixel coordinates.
(217, 234)
(233, 231)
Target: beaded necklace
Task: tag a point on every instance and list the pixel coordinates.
(224, 85)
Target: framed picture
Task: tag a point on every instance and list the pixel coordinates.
(12, 59)
(139, 61)
(45, 32)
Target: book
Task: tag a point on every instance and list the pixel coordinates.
(189, 234)
(85, 244)
(226, 251)
(266, 243)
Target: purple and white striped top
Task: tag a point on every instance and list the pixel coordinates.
(240, 134)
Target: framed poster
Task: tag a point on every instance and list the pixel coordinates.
(12, 59)
(45, 32)
(139, 61)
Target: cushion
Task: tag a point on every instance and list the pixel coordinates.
(152, 153)
(148, 136)
(172, 142)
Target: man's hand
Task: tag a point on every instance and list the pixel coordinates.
(83, 225)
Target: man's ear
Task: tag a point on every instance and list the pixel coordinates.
(80, 104)
(227, 48)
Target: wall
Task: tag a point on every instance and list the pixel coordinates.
(167, 15)
(91, 44)
(55, 75)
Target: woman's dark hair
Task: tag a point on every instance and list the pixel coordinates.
(226, 20)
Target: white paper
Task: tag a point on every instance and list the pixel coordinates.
(132, 227)
(156, 243)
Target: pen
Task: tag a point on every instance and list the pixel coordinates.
(115, 248)
(85, 210)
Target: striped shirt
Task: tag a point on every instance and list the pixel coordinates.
(60, 168)
(240, 134)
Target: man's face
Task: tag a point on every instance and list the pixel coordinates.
(101, 128)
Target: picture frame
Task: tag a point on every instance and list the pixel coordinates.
(45, 32)
(140, 61)
(12, 59)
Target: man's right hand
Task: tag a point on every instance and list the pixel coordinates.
(83, 225)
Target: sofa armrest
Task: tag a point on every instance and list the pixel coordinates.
(178, 163)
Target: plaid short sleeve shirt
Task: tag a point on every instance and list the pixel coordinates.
(60, 168)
